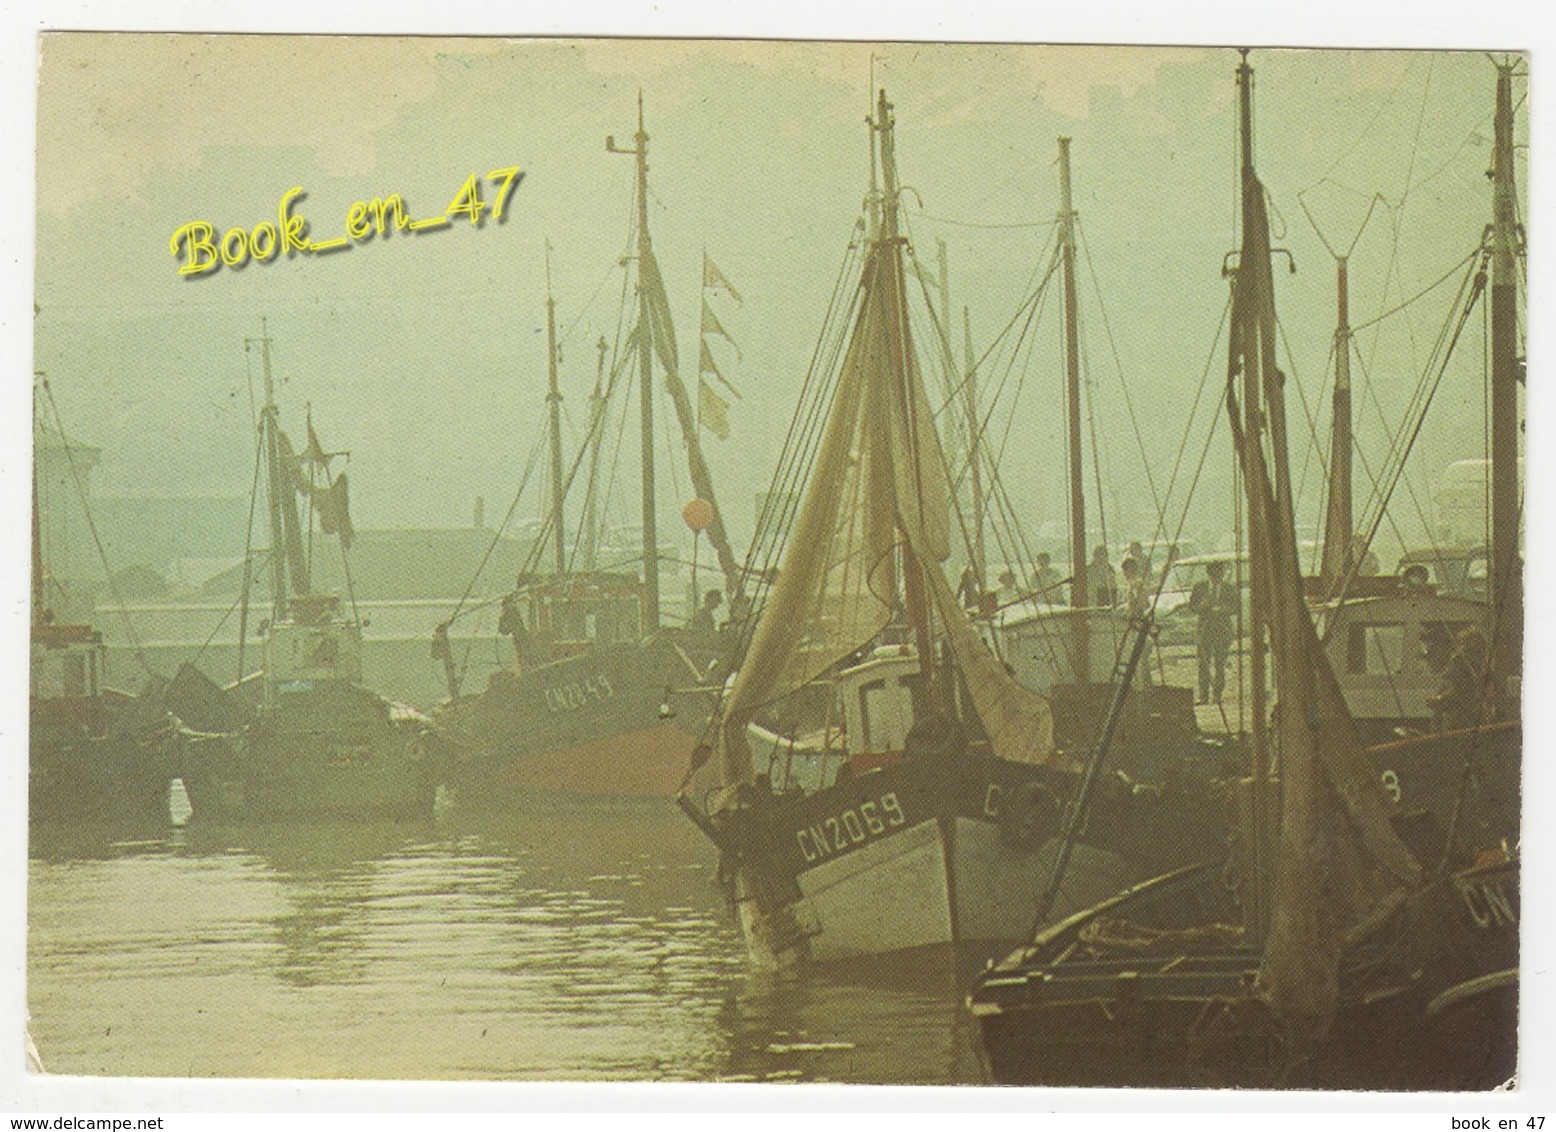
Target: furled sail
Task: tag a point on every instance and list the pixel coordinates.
(662, 335)
(1018, 721)
(1339, 866)
(879, 480)
(332, 499)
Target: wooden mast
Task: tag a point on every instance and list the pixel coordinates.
(1506, 569)
(1079, 598)
(554, 403)
(701, 477)
(285, 539)
(970, 386)
(888, 245)
(969, 407)
(39, 592)
(650, 616)
(1246, 348)
(979, 560)
(590, 532)
(1338, 521)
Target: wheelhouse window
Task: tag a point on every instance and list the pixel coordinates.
(1376, 649)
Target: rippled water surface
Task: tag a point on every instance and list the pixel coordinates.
(576, 940)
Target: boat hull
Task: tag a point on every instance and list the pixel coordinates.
(615, 720)
(1483, 766)
(1429, 1002)
(76, 776)
(339, 754)
(948, 854)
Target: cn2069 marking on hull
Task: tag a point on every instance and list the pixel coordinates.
(576, 693)
(841, 832)
(1487, 904)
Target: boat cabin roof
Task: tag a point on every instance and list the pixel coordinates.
(53, 635)
(567, 587)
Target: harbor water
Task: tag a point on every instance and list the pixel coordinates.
(570, 940)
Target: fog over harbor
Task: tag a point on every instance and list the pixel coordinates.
(424, 354)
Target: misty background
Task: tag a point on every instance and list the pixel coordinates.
(424, 355)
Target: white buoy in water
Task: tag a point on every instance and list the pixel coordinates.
(178, 805)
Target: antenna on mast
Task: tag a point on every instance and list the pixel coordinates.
(873, 201)
(554, 405)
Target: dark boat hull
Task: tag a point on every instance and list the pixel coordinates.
(607, 721)
(338, 754)
(76, 776)
(1481, 766)
(1428, 1002)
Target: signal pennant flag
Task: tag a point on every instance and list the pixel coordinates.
(707, 365)
(711, 325)
(713, 279)
(713, 410)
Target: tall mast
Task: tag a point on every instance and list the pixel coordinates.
(590, 532)
(873, 201)
(285, 543)
(554, 400)
(969, 405)
(1506, 569)
(888, 247)
(970, 383)
(646, 392)
(37, 538)
(1338, 520)
(702, 481)
(650, 618)
(1247, 349)
(1072, 371)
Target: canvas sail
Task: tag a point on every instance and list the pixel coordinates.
(1339, 867)
(879, 483)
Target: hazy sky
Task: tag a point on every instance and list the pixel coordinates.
(424, 355)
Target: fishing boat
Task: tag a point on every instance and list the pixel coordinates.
(602, 698)
(301, 738)
(1348, 946)
(1396, 642)
(94, 753)
(937, 833)
(1158, 987)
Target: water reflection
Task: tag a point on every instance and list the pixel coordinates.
(811, 1028)
(574, 940)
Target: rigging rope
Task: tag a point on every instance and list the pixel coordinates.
(1416, 406)
(1129, 405)
(91, 525)
(529, 468)
(248, 552)
(989, 225)
(1425, 291)
(1404, 451)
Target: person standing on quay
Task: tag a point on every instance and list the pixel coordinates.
(1211, 601)
(1101, 585)
(1045, 579)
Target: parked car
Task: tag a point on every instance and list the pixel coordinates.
(1458, 571)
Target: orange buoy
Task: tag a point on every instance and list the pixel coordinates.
(698, 514)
